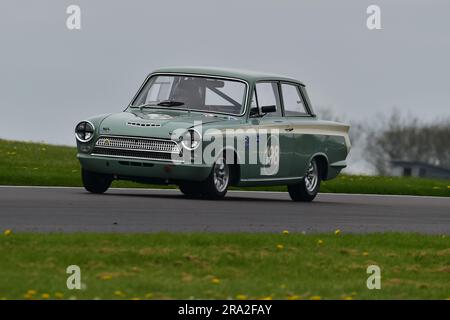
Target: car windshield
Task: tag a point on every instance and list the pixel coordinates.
(197, 93)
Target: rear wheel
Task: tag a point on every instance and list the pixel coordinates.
(95, 182)
(308, 188)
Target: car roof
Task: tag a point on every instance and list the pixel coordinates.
(248, 75)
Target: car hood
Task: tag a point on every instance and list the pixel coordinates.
(156, 124)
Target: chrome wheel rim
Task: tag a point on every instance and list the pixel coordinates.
(311, 177)
(221, 175)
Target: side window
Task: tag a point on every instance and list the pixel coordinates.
(292, 100)
(267, 94)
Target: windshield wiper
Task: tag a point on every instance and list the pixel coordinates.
(165, 103)
(170, 103)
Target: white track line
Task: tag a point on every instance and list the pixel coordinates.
(231, 191)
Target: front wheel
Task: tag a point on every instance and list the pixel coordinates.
(216, 186)
(191, 189)
(308, 188)
(95, 182)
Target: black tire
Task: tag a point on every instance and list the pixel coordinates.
(210, 187)
(191, 189)
(95, 182)
(305, 191)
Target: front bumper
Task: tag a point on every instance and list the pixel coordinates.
(126, 168)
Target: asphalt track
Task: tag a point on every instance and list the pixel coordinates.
(53, 209)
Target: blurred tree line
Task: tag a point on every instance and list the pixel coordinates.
(398, 137)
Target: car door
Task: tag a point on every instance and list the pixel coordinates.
(299, 118)
(280, 139)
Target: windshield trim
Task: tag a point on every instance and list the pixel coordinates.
(247, 86)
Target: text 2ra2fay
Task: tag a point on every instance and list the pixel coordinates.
(250, 309)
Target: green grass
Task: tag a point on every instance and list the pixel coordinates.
(23, 163)
(165, 266)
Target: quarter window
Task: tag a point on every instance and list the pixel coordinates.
(292, 100)
(267, 94)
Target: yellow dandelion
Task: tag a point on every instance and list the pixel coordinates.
(365, 254)
(241, 297)
(315, 298)
(347, 298)
(106, 277)
(59, 295)
(448, 187)
(119, 293)
(135, 298)
(280, 247)
(31, 292)
(266, 298)
(28, 296)
(215, 280)
(337, 232)
(45, 296)
(285, 232)
(293, 297)
(7, 232)
(320, 242)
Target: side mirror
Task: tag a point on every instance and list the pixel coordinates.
(268, 109)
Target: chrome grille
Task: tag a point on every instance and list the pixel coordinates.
(142, 144)
(138, 148)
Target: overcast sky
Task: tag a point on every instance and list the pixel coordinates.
(51, 77)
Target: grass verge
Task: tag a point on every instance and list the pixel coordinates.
(23, 163)
(221, 266)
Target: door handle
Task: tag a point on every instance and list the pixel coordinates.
(289, 129)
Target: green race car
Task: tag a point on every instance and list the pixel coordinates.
(205, 129)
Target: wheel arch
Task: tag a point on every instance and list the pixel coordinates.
(322, 162)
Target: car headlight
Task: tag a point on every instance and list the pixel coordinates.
(84, 131)
(191, 139)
